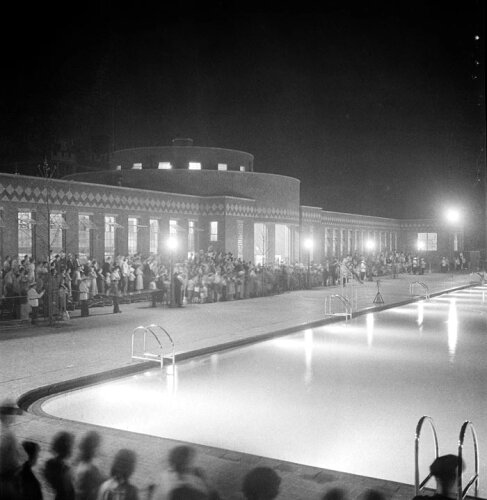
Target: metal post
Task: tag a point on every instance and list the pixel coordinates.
(309, 276)
(171, 286)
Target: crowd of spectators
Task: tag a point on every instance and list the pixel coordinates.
(204, 277)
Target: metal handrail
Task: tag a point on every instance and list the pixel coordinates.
(419, 486)
(149, 328)
(481, 275)
(147, 355)
(462, 492)
(422, 285)
(344, 300)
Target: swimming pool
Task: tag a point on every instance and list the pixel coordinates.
(342, 396)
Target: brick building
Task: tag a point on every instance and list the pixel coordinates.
(201, 197)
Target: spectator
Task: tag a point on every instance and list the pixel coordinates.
(114, 288)
(371, 494)
(10, 456)
(445, 470)
(335, 494)
(31, 488)
(63, 300)
(87, 476)
(182, 479)
(56, 470)
(33, 297)
(83, 295)
(261, 483)
(118, 485)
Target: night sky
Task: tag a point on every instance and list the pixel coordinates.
(377, 107)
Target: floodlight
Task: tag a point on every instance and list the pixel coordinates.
(172, 243)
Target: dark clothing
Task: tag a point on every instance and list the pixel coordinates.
(178, 289)
(85, 310)
(187, 493)
(31, 488)
(115, 293)
(87, 480)
(10, 487)
(58, 475)
(436, 496)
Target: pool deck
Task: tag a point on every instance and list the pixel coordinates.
(52, 358)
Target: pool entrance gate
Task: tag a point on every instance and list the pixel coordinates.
(474, 480)
(147, 345)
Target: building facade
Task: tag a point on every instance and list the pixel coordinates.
(201, 197)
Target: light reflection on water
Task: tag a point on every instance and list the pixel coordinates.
(343, 396)
(452, 330)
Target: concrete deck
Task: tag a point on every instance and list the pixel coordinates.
(85, 349)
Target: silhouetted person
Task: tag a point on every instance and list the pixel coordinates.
(118, 485)
(30, 486)
(335, 494)
(10, 457)
(261, 483)
(371, 494)
(445, 470)
(56, 470)
(178, 289)
(182, 480)
(87, 477)
(114, 288)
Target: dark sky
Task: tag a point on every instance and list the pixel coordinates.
(374, 106)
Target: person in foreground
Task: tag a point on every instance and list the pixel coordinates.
(57, 470)
(119, 486)
(261, 483)
(182, 480)
(445, 470)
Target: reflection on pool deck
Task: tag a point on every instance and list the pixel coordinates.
(344, 397)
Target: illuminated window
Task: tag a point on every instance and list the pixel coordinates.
(84, 236)
(132, 235)
(427, 241)
(154, 236)
(119, 167)
(25, 232)
(173, 227)
(57, 232)
(164, 165)
(282, 243)
(222, 166)
(109, 236)
(214, 231)
(137, 166)
(191, 238)
(193, 165)
(242, 169)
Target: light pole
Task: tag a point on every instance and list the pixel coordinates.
(308, 244)
(171, 245)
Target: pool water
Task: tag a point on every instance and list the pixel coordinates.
(344, 396)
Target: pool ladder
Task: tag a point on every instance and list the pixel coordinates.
(146, 354)
(344, 301)
(424, 287)
(474, 480)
